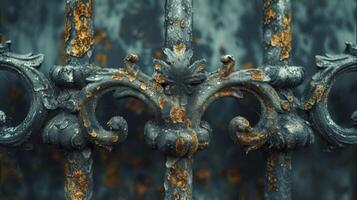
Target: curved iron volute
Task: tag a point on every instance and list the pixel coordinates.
(40, 89)
(316, 101)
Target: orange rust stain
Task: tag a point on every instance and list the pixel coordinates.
(83, 40)
(194, 143)
(285, 105)
(272, 161)
(250, 138)
(157, 66)
(67, 25)
(316, 97)
(272, 183)
(118, 75)
(179, 48)
(178, 115)
(162, 102)
(180, 146)
(159, 78)
(269, 15)
(256, 74)
(157, 87)
(224, 93)
(177, 177)
(115, 138)
(283, 39)
(76, 183)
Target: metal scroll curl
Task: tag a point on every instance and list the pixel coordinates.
(126, 82)
(41, 93)
(277, 128)
(331, 67)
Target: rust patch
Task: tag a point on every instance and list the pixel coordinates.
(272, 183)
(162, 102)
(157, 66)
(178, 178)
(179, 48)
(180, 146)
(224, 93)
(269, 15)
(285, 105)
(272, 161)
(256, 74)
(248, 139)
(194, 143)
(76, 183)
(83, 39)
(283, 39)
(178, 115)
(316, 97)
(157, 87)
(115, 138)
(118, 75)
(159, 78)
(67, 25)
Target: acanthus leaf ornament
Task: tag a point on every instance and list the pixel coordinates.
(177, 75)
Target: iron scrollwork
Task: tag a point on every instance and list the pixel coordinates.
(41, 94)
(330, 68)
(178, 92)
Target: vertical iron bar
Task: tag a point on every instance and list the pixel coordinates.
(178, 23)
(79, 45)
(178, 34)
(178, 178)
(277, 46)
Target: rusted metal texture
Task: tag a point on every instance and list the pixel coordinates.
(179, 91)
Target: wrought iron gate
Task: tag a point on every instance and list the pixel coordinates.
(178, 92)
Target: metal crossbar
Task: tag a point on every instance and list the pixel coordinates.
(178, 92)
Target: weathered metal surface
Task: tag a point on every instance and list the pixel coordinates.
(277, 41)
(178, 92)
(316, 99)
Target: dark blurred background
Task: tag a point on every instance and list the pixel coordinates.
(132, 170)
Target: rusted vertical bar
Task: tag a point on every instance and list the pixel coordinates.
(178, 23)
(79, 45)
(178, 35)
(277, 47)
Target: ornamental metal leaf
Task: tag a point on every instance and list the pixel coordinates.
(177, 74)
